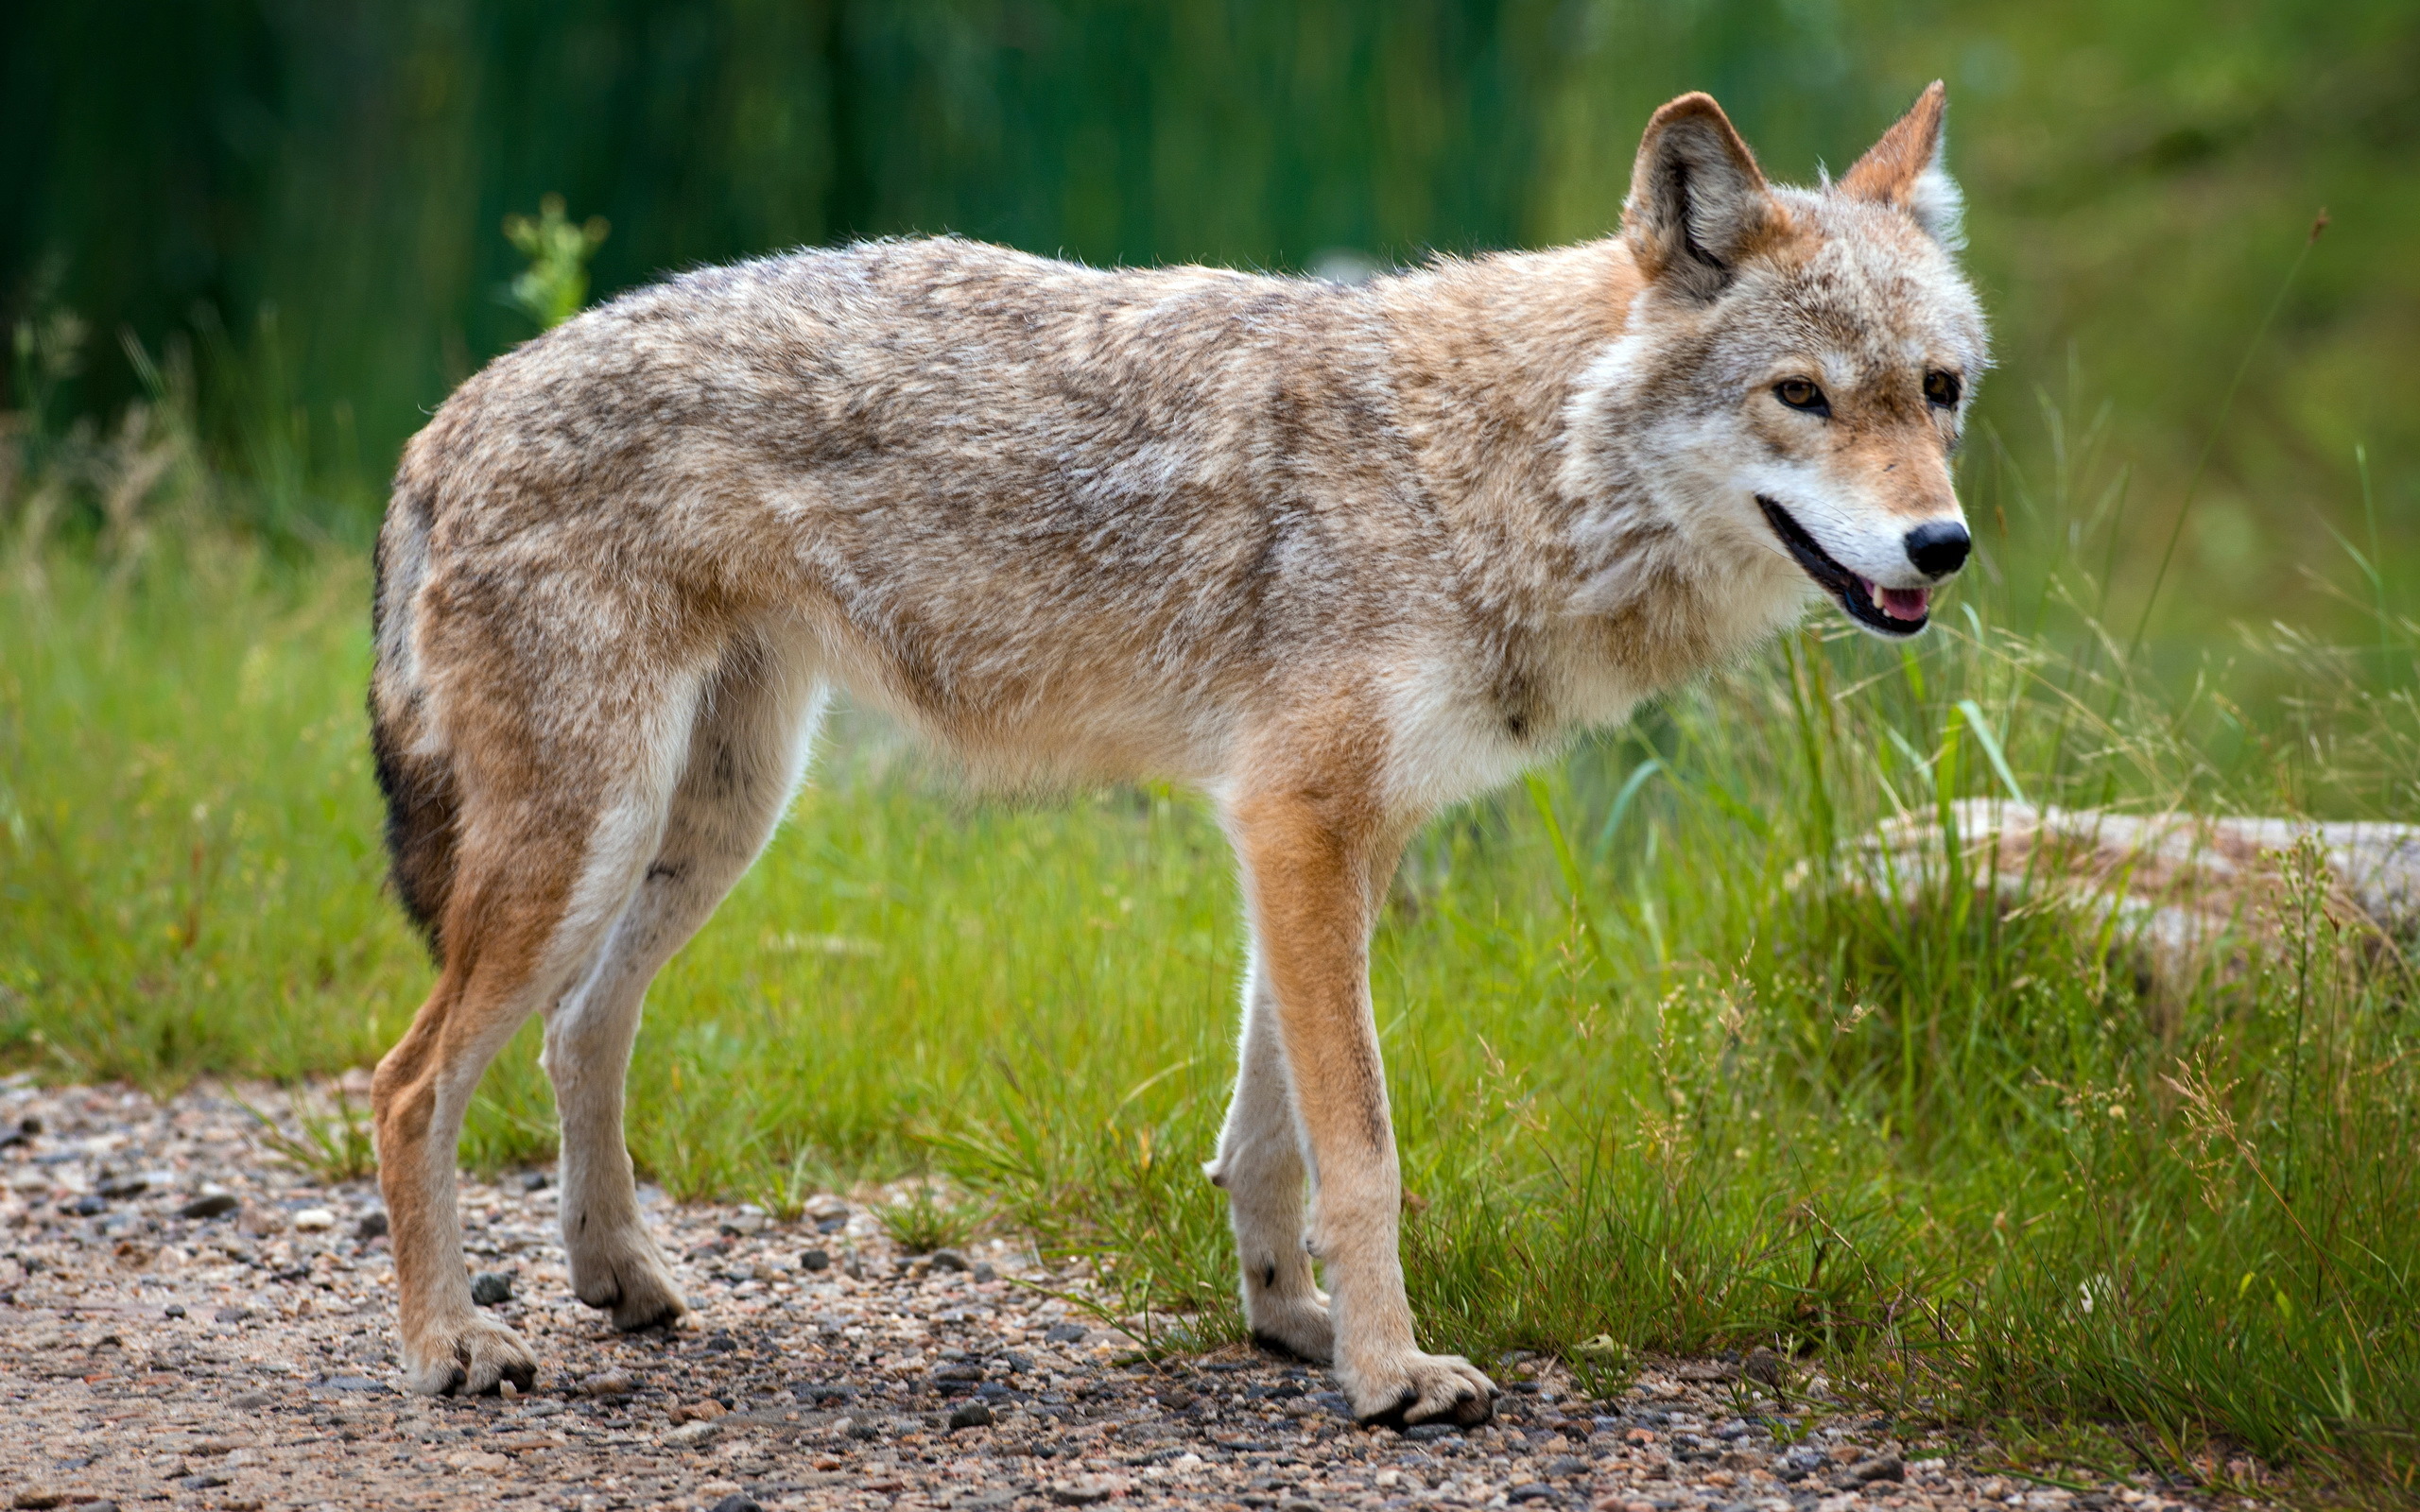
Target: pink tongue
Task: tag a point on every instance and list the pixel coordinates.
(1906, 603)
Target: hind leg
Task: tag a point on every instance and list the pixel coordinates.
(557, 826)
(513, 937)
(745, 752)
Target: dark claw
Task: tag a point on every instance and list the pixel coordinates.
(1393, 1416)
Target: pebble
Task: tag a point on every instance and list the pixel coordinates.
(815, 1259)
(210, 1204)
(689, 1435)
(373, 1226)
(737, 1502)
(948, 1260)
(609, 1383)
(491, 1288)
(315, 1220)
(973, 1415)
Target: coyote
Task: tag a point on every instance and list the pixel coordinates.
(1337, 555)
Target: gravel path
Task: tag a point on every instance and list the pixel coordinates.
(152, 1353)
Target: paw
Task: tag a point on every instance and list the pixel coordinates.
(630, 1282)
(467, 1359)
(1412, 1387)
(1298, 1325)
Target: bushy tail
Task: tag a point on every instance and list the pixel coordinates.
(414, 771)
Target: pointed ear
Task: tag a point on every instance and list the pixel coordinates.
(1698, 202)
(1904, 171)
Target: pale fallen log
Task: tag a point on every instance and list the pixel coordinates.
(2176, 894)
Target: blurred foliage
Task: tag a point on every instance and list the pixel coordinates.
(2140, 178)
(555, 285)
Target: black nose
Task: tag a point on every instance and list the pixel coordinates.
(1939, 548)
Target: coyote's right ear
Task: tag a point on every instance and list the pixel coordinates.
(1698, 201)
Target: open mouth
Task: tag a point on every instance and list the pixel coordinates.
(1890, 610)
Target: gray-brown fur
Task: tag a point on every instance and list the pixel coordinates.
(1337, 555)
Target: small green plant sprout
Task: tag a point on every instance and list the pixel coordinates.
(1603, 1366)
(554, 286)
(920, 1218)
(334, 1145)
(783, 1190)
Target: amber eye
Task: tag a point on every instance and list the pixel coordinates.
(1942, 388)
(1800, 394)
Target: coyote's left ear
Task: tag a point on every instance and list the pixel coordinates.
(1904, 171)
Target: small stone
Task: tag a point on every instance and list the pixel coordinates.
(373, 1226)
(533, 1181)
(824, 1206)
(1764, 1367)
(737, 1502)
(1298, 1503)
(173, 1310)
(1880, 1468)
(984, 1271)
(815, 1259)
(480, 1461)
(970, 1414)
(948, 1260)
(609, 1383)
(690, 1435)
(230, 1314)
(209, 1205)
(37, 1499)
(862, 1430)
(1430, 1432)
(1065, 1333)
(112, 1506)
(118, 1188)
(1530, 1491)
(491, 1288)
(87, 1206)
(315, 1220)
(252, 1401)
(747, 1221)
(201, 1483)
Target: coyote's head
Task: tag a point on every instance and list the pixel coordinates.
(1796, 368)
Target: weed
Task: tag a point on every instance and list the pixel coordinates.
(333, 1146)
(920, 1218)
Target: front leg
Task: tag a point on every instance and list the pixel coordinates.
(1260, 1166)
(1314, 870)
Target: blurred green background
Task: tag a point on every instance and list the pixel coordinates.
(312, 195)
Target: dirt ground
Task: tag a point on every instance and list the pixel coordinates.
(152, 1353)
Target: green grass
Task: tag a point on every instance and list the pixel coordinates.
(1653, 1078)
